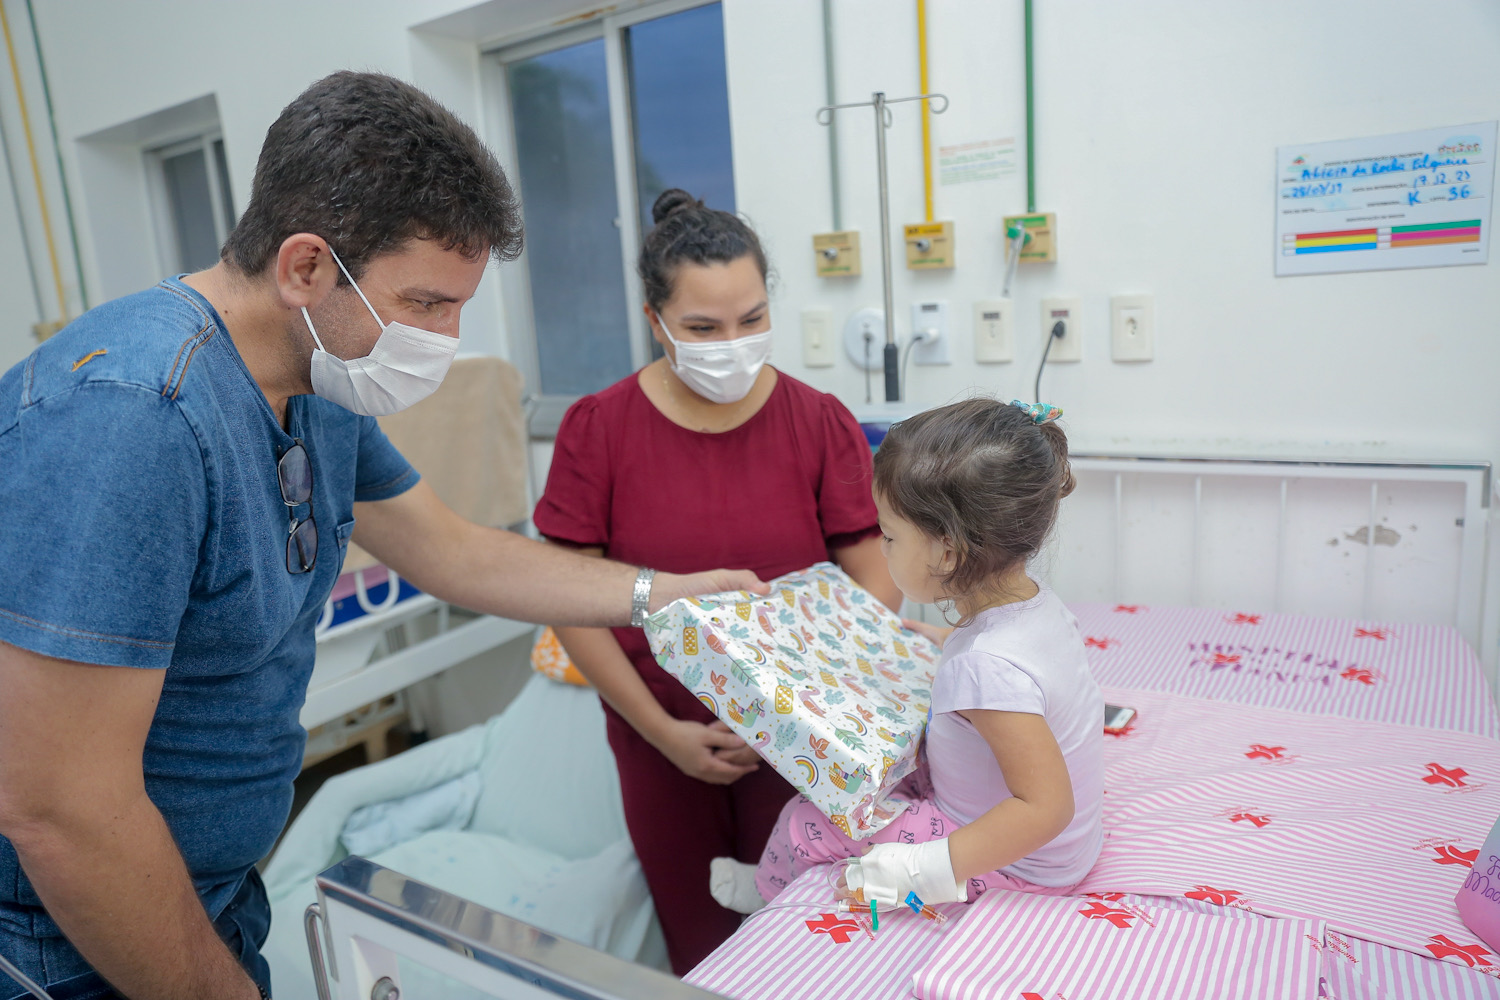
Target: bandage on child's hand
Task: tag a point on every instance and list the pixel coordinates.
(888, 873)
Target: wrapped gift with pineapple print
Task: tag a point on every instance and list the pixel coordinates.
(818, 677)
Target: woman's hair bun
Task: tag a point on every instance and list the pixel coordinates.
(670, 202)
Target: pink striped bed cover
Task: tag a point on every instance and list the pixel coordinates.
(1212, 810)
(1422, 675)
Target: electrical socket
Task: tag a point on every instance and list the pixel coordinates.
(1068, 312)
(932, 349)
(993, 343)
(1132, 327)
(864, 338)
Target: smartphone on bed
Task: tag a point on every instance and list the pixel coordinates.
(1117, 719)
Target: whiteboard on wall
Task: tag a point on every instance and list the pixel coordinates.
(1413, 199)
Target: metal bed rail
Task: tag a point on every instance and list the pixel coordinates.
(376, 934)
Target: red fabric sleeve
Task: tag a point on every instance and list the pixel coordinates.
(574, 508)
(846, 507)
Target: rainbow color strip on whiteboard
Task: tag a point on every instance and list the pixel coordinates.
(1435, 234)
(1385, 237)
(1348, 239)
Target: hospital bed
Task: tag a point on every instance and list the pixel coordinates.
(1410, 674)
(1207, 685)
(1359, 754)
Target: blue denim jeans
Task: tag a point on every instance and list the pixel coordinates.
(243, 926)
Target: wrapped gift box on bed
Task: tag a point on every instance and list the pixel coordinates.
(818, 677)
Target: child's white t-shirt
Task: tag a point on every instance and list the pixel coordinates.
(1025, 657)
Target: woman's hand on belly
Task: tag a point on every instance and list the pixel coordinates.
(709, 753)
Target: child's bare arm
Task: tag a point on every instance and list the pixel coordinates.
(1041, 805)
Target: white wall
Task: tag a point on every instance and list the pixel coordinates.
(1157, 122)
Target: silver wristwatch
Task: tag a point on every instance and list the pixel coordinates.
(640, 598)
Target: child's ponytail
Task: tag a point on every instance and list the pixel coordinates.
(1054, 436)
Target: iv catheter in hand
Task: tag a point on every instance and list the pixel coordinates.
(853, 901)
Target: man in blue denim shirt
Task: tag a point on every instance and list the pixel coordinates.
(183, 469)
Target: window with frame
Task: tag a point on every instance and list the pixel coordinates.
(192, 205)
(598, 117)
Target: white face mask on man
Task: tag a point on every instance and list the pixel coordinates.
(722, 371)
(404, 367)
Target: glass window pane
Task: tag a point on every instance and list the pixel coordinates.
(221, 162)
(192, 210)
(560, 106)
(680, 108)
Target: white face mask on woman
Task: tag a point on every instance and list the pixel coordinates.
(404, 367)
(720, 370)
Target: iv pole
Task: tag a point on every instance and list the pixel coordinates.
(883, 119)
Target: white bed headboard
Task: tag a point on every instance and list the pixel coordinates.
(1386, 541)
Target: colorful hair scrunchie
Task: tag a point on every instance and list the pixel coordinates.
(1040, 413)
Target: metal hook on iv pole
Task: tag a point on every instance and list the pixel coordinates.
(883, 120)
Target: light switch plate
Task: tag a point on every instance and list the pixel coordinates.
(817, 337)
(1068, 311)
(1132, 327)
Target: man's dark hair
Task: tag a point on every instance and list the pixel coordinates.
(368, 163)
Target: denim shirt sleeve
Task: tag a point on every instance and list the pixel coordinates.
(383, 472)
(105, 509)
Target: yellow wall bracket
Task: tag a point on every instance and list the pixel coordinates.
(929, 245)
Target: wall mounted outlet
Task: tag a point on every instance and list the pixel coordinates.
(993, 343)
(817, 337)
(864, 338)
(1132, 327)
(929, 331)
(1068, 312)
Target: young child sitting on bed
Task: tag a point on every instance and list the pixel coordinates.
(1011, 790)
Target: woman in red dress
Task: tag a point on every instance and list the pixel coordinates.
(707, 457)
